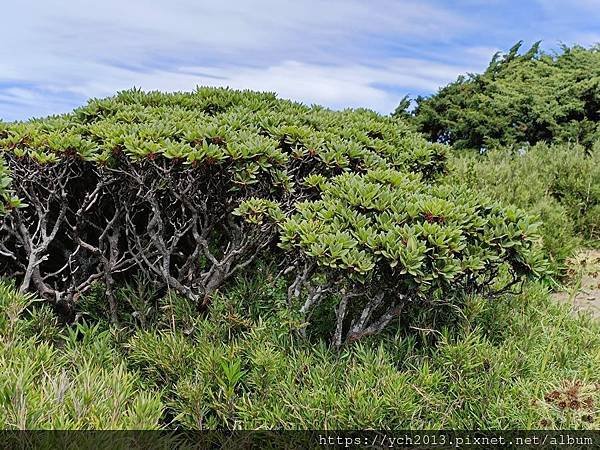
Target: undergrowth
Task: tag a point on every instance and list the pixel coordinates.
(559, 183)
(523, 362)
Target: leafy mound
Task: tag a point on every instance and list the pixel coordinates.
(148, 183)
(519, 99)
(383, 240)
(175, 187)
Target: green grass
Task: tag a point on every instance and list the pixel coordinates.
(516, 362)
(71, 378)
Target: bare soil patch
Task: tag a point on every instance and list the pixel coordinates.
(583, 292)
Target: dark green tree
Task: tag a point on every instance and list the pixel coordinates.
(401, 110)
(520, 99)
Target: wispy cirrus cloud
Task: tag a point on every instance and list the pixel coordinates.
(338, 86)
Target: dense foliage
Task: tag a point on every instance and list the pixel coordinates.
(148, 182)
(497, 365)
(520, 99)
(383, 240)
(155, 184)
(7, 200)
(560, 184)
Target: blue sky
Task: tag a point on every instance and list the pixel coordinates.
(55, 54)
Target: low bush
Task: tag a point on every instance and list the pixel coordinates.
(146, 183)
(384, 240)
(559, 183)
(153, 185)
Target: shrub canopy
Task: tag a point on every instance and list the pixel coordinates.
(177, 187)
(149, 181)
(519, 99)
(382, 240)
(7, 200)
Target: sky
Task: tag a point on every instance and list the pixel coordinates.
(56, 54)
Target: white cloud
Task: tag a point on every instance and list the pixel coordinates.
(23, 103)
(56, 35)
(57, 52)
(337, 86)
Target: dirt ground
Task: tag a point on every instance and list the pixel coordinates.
(583, 290)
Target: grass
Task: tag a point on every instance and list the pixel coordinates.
(521, 362)
(69, 378)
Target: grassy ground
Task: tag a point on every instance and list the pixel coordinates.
(518, 362)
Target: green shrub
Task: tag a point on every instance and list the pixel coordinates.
(559, 183)
(153, 185)
(519, 100)
(146, 183)
(384, 240)
(575, 183)
(7, 201)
